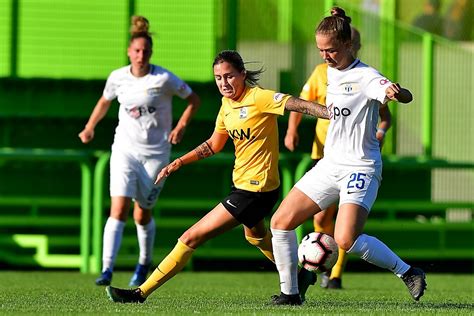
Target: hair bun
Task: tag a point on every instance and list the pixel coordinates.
(339, 12)
(139, 24)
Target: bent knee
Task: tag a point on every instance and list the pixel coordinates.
(190, 239)
(344, 242)
(279, 222)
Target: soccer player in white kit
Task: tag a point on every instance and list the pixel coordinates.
(350, 170)
(141, 147)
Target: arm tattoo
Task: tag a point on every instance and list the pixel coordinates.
(204, 150)
(307, 107)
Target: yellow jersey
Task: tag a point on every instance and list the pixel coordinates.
(251, 122)
(315, 89)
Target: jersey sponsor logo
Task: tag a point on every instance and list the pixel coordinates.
(277, 97)
(335, 112)
(383, 81)
(137, 111)
(240, 134)
(243, 113)
(254, 182)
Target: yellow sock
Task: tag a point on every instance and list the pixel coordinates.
(338, 268)
(327, 227)
(264, 244)
(169, 267)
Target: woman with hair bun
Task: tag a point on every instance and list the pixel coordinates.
(141, 147)
(351, 169)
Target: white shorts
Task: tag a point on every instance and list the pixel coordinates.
(326, 183)
(134, 176)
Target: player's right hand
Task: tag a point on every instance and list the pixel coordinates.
(291, 141)
(86, 135)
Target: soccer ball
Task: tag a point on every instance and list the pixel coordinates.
(318, 252)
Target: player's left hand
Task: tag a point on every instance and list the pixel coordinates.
(380, 137)
(176, 135)
(166, 171)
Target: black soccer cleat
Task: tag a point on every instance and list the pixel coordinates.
(124, 296)
(335, 283)
(414, 279)
(284, 299)
(305, 279)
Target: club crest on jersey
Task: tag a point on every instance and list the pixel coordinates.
(277, 97)
(349, 88)
(243, 113)
(154, 91)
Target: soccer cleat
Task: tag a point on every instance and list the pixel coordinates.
(124, 296)
(305, 279)
(324, 280)
(140, 275)
(335, 283)
(105, 278)
(414, 279)
(284, 299)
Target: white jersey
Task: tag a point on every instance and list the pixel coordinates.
(354, 96)
(145, 113)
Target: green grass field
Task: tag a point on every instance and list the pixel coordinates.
(239, 293)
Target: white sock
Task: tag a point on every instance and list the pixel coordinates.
(376, 252)
(285, 251)
(113, 232)
(146, 241)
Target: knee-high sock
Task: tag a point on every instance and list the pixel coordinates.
(376, 252)
(113, 232)
(336, 271)
(285, 250)
(264, 244)
(146, 241)
(169, 267)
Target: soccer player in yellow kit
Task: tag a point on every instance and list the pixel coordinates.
(315, 90)
(248, 115)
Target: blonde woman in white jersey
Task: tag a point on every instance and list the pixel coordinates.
(350, 171)
(141, 147)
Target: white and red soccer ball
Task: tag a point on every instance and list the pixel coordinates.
(318, 252)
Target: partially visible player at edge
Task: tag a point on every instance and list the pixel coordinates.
(141, 147)
(350, 170)
(315, 90)
(248, 115)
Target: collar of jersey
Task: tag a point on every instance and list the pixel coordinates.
(152, 67)
(245, 99)
(352, 65)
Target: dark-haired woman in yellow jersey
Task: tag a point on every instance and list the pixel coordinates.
(248, 115)
(315, 90)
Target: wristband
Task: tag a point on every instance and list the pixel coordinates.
(381, 130)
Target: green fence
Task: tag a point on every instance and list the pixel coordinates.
(57, 54)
